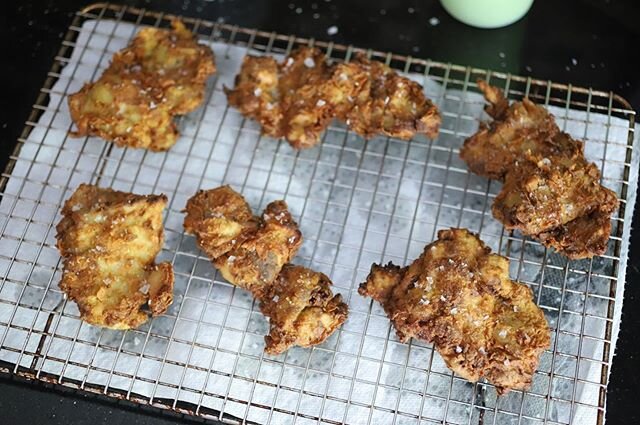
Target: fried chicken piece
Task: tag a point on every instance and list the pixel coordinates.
(220, 218)
(539, 196)
(256, 95)
(458, 296)
(248, 251)
(298, 98)
(301, 309)
(579, 237)
(550, 189)
(253, 253)
(255, 263)
(160, 74)
(517, 130)
(305, 113)
(284, 98)
(109, 241)
(391, 105)
(348, 85)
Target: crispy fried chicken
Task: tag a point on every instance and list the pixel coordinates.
(253, 253)
(458, 296)
(162, 73)
(551, 192)
(109, 241)
(298, 98)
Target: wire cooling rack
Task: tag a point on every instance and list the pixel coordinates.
(357, 202)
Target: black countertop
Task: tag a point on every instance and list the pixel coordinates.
(584, 42)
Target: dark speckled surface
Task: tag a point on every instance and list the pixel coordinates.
(585, 42)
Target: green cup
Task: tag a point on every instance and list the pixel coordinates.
(487, 13)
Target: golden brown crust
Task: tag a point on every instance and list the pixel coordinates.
(298, 98)
(160, 74)
(252, 253)
(539, 196)
(586, 234)
(305, 113)
(220, 218)
(458, 296)
(255, 263)
(284, 98)
(256, 93)
(549, 186)
(301, 309)
(248, 251)
(391, 105)
(109, 241)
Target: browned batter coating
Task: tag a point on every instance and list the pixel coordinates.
(458, 296)
(109, 241)
(389, 104)
(249, 251)
(551, 192)
(298, 98)
(162, 73)
(252, 253)
(220, 218)
(301, 309)
(255, 263)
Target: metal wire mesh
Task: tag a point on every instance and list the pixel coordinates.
(357, 202)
